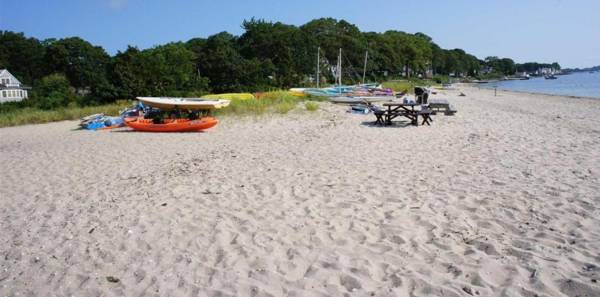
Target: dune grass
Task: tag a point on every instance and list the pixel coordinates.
(311, 106)
(280, 102)
(270, 102)
(408, 85)
(31, 115)
(401, 85)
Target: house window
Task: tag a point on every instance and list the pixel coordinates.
(4, 94)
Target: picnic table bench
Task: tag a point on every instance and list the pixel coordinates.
(407, 110)
(442, 105)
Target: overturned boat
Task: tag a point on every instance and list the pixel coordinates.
(170, 103)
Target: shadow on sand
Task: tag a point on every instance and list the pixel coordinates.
(395, 124)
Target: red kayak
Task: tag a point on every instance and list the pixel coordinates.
(176, 125)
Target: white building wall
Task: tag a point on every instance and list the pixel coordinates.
(14, 91)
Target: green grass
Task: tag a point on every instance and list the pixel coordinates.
(280, 102)
(270, 102)
(311, 106)
(31, 115)
(408, 85)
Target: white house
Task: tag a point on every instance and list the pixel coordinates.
(11, 88)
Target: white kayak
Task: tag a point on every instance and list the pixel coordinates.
(168, 103)
(359, 99)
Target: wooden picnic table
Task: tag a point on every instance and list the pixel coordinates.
(397, 109)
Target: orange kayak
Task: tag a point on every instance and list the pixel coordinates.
(177, 125)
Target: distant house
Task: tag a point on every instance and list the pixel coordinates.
(11, 88)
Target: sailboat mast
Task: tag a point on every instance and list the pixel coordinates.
(318, 65)
(365, 67)
(340, 68)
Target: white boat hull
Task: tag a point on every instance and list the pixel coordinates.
(168, 103)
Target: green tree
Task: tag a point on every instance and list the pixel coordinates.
(24, 57)
(332, 35)
(289, 50)
(86, 66)
(53, 91)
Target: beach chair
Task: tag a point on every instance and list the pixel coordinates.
(422, 95)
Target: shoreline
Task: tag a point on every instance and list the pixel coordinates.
(536, 93)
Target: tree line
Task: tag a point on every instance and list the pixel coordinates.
(267, 55)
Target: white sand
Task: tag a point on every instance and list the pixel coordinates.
(500, 200)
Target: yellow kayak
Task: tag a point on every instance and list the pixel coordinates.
(230, 96)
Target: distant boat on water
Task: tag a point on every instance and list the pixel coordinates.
(550, 76)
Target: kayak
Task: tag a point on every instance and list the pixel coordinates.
(104, 123)
(177, 125)
(360, 99)
(230, 96)
(167, 103)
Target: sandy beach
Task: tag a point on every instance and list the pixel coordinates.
(501, 199)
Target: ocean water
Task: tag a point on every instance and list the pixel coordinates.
(583, 84)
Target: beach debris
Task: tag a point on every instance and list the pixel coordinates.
(91, 230)
(462, 94)
(468, 290)
(164, 204)
(533, 274)
(112, 279)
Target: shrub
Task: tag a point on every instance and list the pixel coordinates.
(53, 92)
(311, 106)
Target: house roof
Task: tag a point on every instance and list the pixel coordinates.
(5, 71)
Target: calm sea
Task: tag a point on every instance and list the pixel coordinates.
(582, 84)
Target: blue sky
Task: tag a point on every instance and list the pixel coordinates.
(566, 31)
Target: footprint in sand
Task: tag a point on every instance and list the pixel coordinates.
(350, 283)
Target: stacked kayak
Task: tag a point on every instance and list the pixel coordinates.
(230, 96)
(360, 99)
(168, 103)
(172, 125)
(350, 94)
(155, 120)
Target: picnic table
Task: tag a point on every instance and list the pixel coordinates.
(401, 109)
